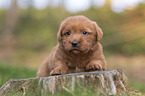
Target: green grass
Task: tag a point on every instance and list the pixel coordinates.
(10, 71)
(137, 85)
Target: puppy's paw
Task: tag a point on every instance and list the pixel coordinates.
(59, 70)
(95, 66)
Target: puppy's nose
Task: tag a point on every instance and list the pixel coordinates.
(75, 43)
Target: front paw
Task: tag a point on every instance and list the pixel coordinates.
(95, 66)
(59, 70)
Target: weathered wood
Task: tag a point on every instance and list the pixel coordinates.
(110, 82)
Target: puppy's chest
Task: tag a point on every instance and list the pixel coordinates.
(78, 62)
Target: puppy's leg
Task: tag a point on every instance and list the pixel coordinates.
(96, 65)
(43, 70)
(61, 68)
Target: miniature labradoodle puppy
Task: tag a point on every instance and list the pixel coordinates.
(78, 49)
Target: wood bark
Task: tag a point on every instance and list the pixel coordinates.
(109, 82)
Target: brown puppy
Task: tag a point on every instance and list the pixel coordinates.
(78, 49)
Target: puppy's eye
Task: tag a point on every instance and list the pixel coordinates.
(84, 33)
(67, 33)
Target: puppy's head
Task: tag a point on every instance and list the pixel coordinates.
(78, 34)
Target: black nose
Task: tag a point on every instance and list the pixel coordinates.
(75, 43)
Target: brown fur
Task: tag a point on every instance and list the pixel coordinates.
(88, 55)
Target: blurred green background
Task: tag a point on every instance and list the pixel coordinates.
(28, 31)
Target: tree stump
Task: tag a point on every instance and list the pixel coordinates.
(110, 82)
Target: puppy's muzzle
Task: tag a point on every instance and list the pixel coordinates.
(75, 43)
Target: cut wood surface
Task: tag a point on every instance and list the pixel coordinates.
(110, 82)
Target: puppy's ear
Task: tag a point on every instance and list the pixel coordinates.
(59, 35)
(98, 30)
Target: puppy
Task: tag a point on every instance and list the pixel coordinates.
(78, 49)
